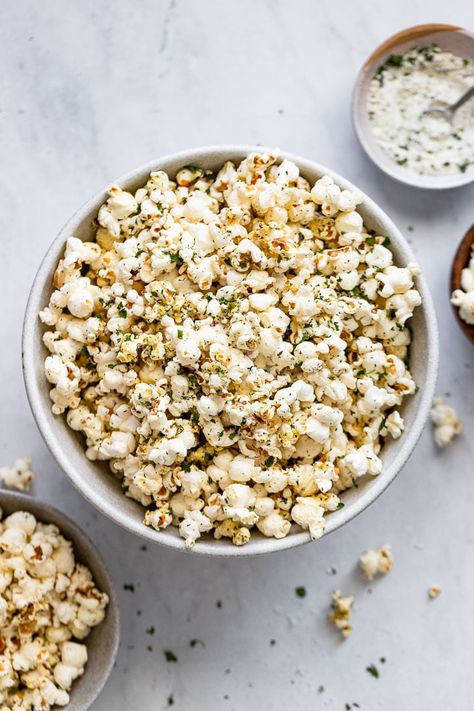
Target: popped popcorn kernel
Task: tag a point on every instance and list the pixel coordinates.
(376, 562)
(341, 610)
(446, 422)
(19, 476)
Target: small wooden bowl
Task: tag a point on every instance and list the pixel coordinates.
(460, 262)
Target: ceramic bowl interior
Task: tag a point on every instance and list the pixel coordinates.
(449, 38)
(103, 641)
(94, 480)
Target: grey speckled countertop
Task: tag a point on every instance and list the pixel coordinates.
(89, 90)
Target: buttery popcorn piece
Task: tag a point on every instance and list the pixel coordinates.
(374, 562)
(19, 476)
(446, 422)
(341, 610)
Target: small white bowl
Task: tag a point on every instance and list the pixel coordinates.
(449, 38)
(95, 481)
(103, 641)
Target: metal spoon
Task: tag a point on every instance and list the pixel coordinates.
(447, 112)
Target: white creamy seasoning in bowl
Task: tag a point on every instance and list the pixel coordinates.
(402, 89)
(235, 344)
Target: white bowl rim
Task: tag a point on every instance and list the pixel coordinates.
(44, 512)
(449, 181)
(264, 545)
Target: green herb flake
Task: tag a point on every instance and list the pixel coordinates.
(174, 258)
(372, 669)
(395, 60)
(180, 334)
(340, 505)
(170, 656)
(170, 700)
(300, 591)
(370, 241)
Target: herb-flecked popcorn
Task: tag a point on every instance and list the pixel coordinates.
(234, 344)
(48, 604)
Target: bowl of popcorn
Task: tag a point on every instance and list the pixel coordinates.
(59, 614)
(230, 350)
(462, 284)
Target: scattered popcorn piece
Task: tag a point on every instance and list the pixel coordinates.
(47, 601)
(374, 562)
(234, 344)
(434, 591)
(446, 422)
(19, 476)
(341, 610)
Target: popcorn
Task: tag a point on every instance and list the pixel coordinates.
(341, 610)
(234, 345)
(463, 298)
(434, 591)
(19, 476)
(47, 600)
(374, 562)
(446, 422)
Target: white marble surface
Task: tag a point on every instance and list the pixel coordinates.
(88, 90)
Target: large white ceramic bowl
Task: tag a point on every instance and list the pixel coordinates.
(94, 480)
(103, 641)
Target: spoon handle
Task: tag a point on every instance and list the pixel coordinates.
(465, 97)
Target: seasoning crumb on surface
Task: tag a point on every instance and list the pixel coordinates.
(19, 476)
(446, 422)
(170, 700)
(170, 656)
(129, 587)
(341, 610)
(372, 669)
(434, 591)
(300, 591)
(376, 562)
(150, 630)
(320, 689)
(195, 642)
(272, 642)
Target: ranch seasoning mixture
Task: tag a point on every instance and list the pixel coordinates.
(406, 86)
